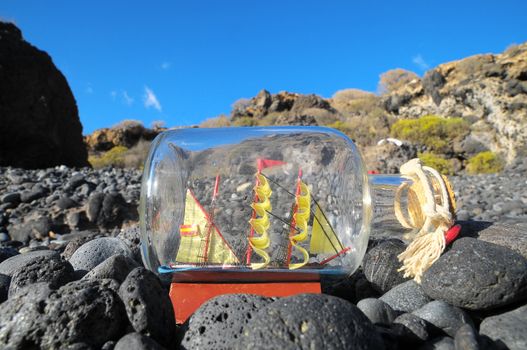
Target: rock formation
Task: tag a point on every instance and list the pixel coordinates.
(127, 134)
(291, 108)
(39, 121)
(490, 91)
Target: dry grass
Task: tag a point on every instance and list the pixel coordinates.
(217, 122)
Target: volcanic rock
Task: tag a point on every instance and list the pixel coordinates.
(4, 287)
(7, 252)
(513, 237)
(148, 306)
(126, 134)
(444, 316)
(419, 328)
(308, 321)
(94, 252)
(303, 120)
(9, 266)
(407, 297)
(380, 265)
(441, 343)
(75, 243)
(487, 90)
(377, 311)
(466, 338)
(33, 227)
(131, 236)
(477, 275)
(49, 269)
(220, 322)
(35, 317)
(40, 122)
(109, 209)
(137, 341)
(509, 328)
(304, 102)
(116, 267)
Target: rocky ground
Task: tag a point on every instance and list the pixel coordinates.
(497, 197)
(71, 277)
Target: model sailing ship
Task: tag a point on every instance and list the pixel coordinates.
(308, 231)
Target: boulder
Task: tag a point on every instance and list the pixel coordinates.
(40, 123)
(509, 328)
(407, 297)
(116, 267)
(302, 120)
(109, 210)
(126, 134)
(444, 316)
(477, 275)
(380, 265)
(50, 269)
(88, 312)
(310, 321)
(513, 237)
(304, 102)
(377, 311)
(416, 327)
(220, 322)
(94, 252)
(148, 306)
(9, 266)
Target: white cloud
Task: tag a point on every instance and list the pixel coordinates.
(150, 99)
(165, 65)
(89, 90)
(420, 62)
(127, 100)
(113, 94)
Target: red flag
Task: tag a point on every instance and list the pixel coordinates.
(266, 163)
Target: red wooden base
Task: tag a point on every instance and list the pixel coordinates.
(188, 297)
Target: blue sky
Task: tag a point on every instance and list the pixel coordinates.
(185, 61)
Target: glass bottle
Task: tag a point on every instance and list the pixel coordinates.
(265, 204)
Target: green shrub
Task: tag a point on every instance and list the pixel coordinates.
(432, 131)
(114, 157)
(444, 166)
(245, 121)
(341, 126)
(484, 163)
(364, 130)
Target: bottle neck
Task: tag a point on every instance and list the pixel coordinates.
(399, 202)
(384, 190)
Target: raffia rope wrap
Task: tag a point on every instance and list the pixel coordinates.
(429, 242)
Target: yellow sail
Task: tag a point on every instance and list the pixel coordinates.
(323, 238)
(260, 223)
(301, 218)
(200, 240)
